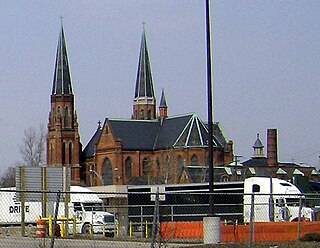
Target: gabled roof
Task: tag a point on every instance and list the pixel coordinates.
(183, 131)
(89, 151)
(255, 162)
(62, 79)
(135, 134)
(172, 132)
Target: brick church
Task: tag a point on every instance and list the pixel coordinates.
(151, 147)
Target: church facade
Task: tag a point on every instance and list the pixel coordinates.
(149, 148)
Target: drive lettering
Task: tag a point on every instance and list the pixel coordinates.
(17, 209)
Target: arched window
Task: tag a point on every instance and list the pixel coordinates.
(180, 166)
(51, 152)
(59, 111)
(158, 166)
(70, 153)
(142, 114)
(107, 173)
(128, 167)
(66, 116)
(145, 166)
(53, 115)
(149, 114)
(59, 114)
(194, 160)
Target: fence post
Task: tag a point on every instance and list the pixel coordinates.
(130, 229)
(141, 221)
(23, 201)
(299, 218)
(50, 225)
(155, 223)
(172, 222)
(74, 221)
(55, 219)
(251, 219)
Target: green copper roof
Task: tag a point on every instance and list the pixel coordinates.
(258, 143)
(281, 171)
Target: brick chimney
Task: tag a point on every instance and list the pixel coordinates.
(272, 147)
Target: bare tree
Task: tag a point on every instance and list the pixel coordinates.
(32, 148)
(8, 178)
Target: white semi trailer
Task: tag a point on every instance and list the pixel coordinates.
(271, 199)
(84, 204)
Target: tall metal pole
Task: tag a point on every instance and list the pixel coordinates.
(210, 108)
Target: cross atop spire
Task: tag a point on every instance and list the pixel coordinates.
(144, 82)
(61, 80)
(144, 106)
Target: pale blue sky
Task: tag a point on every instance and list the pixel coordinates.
(265, 56)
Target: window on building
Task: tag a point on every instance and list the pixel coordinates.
(149, 114)
(142, 114)
(53, 115)
(128, 167)
(158, 166)
(59, 112)
(51, 153)
(70, 153)
(145, 166)
(180, 166)
(107, 173)
(66, 116)
(194, 160)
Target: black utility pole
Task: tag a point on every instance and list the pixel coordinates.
(210, 108)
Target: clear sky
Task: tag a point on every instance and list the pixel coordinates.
(266, 60)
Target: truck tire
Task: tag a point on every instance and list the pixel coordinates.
(86, 228)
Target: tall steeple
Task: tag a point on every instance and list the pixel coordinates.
(144, 103)
(63, 141)
(62, 80)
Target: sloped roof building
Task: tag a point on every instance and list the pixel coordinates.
(151, 148)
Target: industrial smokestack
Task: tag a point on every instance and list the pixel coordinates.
(272, 147)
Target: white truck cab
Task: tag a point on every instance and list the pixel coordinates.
(90, 212)
(273, 200)
(88, 208)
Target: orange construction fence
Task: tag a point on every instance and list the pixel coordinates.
(262, 231)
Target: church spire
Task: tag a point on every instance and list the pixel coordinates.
(63, 140)
(62, 79)
(144, 106)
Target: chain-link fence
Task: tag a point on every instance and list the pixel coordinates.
(140, 219)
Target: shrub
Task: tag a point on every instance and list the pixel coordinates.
(311, 237)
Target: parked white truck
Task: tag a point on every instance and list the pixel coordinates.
(273, 200)
(84, 204)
